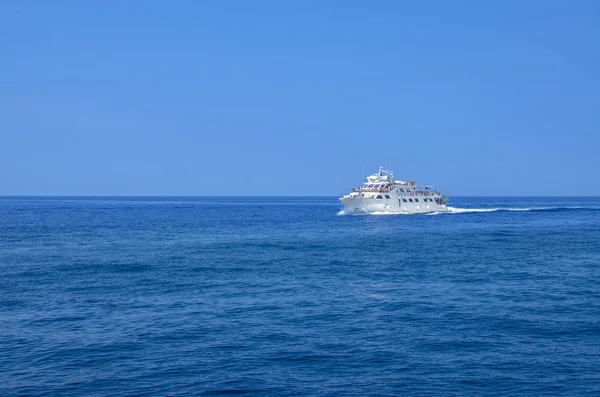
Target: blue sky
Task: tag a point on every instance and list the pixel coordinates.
(295, 97)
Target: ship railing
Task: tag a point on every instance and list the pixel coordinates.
(421, 193)
(389, 189)
(373, 190)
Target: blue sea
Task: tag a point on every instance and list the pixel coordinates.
(270, 296)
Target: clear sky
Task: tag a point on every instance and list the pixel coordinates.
(294, 97)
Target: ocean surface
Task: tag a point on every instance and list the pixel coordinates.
(288, 297)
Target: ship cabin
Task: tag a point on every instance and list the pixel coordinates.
(383, 185)
(401, 188)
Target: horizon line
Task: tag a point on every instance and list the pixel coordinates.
(256, 196)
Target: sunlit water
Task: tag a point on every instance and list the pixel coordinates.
(283, 296)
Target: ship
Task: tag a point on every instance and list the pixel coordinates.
(381, 192)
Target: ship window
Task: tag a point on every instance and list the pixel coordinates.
(386, 196)
(404, 200)
(417, 200)
(410, 200)
(378, 197)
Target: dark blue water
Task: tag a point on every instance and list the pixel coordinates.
(282, 296)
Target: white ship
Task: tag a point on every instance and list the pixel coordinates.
(381, 192)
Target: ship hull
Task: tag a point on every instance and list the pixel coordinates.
(391, 205)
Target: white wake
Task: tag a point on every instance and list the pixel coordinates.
(457, 210)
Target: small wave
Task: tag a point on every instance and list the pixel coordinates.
(344, 212)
